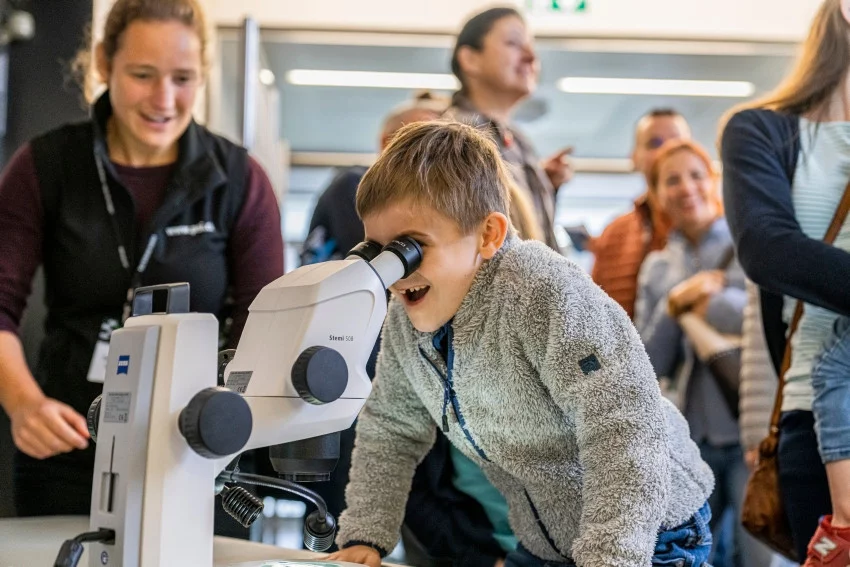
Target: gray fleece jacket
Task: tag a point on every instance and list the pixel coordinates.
(549, 390)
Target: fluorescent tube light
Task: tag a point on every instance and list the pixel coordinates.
(669, 87)
(372, 79)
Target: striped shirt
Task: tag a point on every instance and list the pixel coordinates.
(823, 170)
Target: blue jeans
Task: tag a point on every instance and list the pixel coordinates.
(687, 545)
(831, 384)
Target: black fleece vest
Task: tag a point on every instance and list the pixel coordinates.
(84, 279)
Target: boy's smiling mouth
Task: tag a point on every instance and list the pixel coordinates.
(413, 295)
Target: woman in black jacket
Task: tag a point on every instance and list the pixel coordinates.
(786, 161)
(138, 195)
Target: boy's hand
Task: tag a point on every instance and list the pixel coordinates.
(361, 554)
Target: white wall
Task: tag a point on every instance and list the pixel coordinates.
(778, 20)
(781, 20)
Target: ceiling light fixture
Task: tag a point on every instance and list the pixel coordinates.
(267, 77)
(658, 87)
(372, 79)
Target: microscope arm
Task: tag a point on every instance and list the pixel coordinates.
(301, 361)
(285, 420)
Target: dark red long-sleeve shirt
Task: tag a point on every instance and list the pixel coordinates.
(255, 247)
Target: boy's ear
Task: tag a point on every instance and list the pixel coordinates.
(494, 230)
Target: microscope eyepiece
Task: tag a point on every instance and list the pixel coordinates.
(408, 251)
(367, 250)
(397, 260)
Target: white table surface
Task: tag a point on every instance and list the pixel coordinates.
(35, 542)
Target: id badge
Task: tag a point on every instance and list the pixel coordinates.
(97, 367)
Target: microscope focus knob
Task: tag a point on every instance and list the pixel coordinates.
(320, 375)
(93, 417)
(216, 423)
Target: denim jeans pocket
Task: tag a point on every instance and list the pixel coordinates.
(687, 545)
(682, 559)
(835, 352)
(831, 388)
(702, 530)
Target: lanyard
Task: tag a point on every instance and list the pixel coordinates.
(135, 276)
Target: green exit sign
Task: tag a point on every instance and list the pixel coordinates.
(557, 6)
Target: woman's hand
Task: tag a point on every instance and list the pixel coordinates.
(43, 427)
(751, 458)
(360, 554)
(559, 168)
(695, 292)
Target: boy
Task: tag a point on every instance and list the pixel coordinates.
(526, 366)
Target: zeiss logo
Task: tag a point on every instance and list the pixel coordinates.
(124, 364)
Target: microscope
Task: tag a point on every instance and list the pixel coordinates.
(175, 413)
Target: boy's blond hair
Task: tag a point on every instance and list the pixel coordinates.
(448, 166)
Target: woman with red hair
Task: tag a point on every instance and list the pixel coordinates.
(697, 272)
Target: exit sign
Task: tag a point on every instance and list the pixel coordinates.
(556, 6)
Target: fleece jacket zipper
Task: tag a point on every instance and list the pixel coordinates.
(542, 525)
(449, 395)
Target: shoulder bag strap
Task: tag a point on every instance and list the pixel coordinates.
(829, 237)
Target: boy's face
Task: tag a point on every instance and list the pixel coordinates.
(432, 294)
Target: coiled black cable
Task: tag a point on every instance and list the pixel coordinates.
(241, 505)
(319, 526)
(279, 483)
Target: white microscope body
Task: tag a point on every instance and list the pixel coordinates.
(165, 431)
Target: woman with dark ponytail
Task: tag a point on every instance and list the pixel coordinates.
(495, 62)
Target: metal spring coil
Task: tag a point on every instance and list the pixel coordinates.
(317, 543)
(241, 505)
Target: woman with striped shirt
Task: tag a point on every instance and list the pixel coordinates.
(786, 164)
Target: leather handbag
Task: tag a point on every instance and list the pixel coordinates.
(763, 513)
